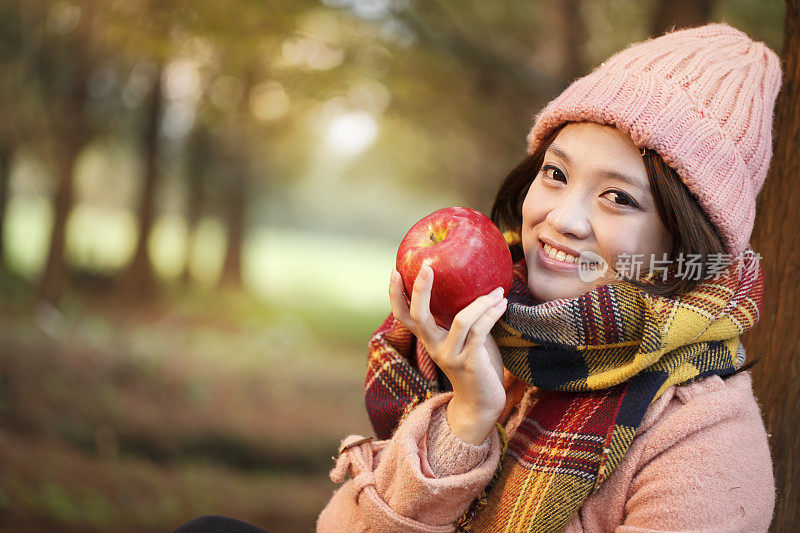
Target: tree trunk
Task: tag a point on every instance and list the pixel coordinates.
(5, 179)
(71, 135)
(199, 156)
(235, 205)
(235, 190)
(139, 279)
(569, 36)
(69, 125)
(776, 340)
(680, 14)
(54, 278)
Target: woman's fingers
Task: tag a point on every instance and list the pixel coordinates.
(397, 300)
(417, 316)
(471, 324)
(420, 309)
(468, 320)
(495, 358)
(482, 327)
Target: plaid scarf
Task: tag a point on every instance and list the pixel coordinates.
(601, 358)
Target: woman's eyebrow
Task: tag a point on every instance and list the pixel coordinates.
(605, 172)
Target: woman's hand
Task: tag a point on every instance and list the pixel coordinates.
(466, 353)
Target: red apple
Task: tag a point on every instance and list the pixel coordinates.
(467, 253)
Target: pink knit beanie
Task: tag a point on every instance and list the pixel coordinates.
(703, 98)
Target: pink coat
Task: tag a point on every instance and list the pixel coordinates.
(700, 461)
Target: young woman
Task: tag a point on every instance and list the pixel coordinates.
(607, 392)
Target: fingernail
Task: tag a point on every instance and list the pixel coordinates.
(497, 292)
(395, 276)
(424, 273)
(499, 305)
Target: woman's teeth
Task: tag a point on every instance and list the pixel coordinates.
(559, 255)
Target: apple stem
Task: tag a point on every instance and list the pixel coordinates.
(434, 239)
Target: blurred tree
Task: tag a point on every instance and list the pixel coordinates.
(61, 60)
(235, 188)
(144, 34)
(9, 91)
(569, 36)
(193, 43)
(6, 152)
(484, 55)
(138, 278)
(250, 68)
(680, 14)
(9, 97)
(776, 341)
(242, 40)
(198, 158)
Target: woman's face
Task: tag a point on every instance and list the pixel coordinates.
(591, 196)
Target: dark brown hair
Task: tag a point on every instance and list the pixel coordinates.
(692, 233)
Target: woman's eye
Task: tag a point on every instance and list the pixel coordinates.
(620, 198)
(554, 173)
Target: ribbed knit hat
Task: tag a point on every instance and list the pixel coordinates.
(703, 98)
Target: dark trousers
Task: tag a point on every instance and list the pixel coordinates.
(217, 524)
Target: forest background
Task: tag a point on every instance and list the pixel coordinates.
(200, 206)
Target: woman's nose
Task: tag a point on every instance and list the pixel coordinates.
(570, 216)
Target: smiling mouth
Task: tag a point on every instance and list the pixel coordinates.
(558, 255)
(561, 260)
(585, 258)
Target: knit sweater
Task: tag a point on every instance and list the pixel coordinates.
(700, 461)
